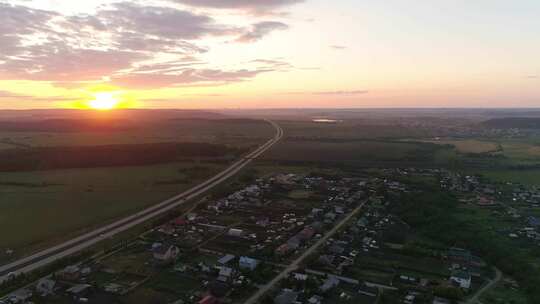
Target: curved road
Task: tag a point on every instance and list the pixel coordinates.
(86, 240)
(476, 298)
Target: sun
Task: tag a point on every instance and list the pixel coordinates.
(103, 101)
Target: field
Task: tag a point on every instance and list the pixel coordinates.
(351, 129)
(522, 150)
(308, 150)
(48, 206)
(80, 185)
(526, 177)
(233, 132)
(468, 145)
(504, 294)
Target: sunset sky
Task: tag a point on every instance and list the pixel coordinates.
(270, 53)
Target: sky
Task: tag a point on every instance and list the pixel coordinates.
(269, 53)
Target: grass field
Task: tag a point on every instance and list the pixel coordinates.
(207, 131)
(520, 150)
(469, 145)
(502, 294)
(348, 129)
(292, 150)
(43, 207)
(526, 177)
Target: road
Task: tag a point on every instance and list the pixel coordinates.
(488, 286)
(52, 254)
(294, 265)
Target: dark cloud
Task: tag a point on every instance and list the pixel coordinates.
(261, 29)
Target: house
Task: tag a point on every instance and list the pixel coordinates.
(365, 290)
(330, 283)
(20, 296)
(461, 279)
(226, 259)
(283, 249)
(248, 263)
(315, 299)
(336, 249)
(225, 274)
(293, 243)
(316, 211)
(438, 300)
(263, 222)
(70, 273)
(326, 259)
(166, 253)
(209, 299)
(218, 289)
(45, 287)
(79, 290)
(306, 234)
(180, 221)
(330, 216)
(300, 276)
(286, 296)
(235, 232)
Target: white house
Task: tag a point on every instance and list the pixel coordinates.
(225, 274)
(462, 279)
(247, 263)
(235, 232)
(166, 253)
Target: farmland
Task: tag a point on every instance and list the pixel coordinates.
(221, 131)
(57, 204)
(360, 151)
(469, 145)
(78, 183)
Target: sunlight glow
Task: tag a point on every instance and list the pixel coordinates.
(104, 101)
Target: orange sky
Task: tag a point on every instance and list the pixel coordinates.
(269, 53)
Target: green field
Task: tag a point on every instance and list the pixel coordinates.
(468, 145)
(206, 131)
(48, 206)
(292, 150)
(502, 294)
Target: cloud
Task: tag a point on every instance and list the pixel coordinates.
(532, 77)
(54, 61)
(10, 96)
(338, 47)
(206, 77)
(17, 21)
(275, 64)
(331, 93)
(261, 29)
(342, 93)
(246, 5)
(163, 22)
(126, 43)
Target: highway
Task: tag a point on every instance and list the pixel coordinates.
(52, 254)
